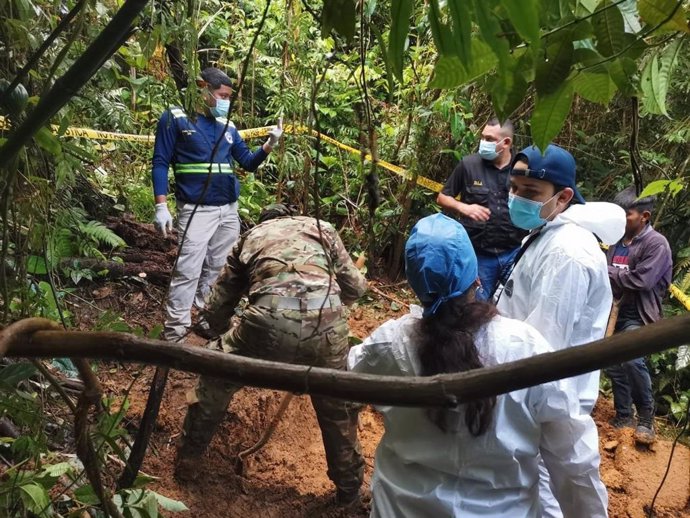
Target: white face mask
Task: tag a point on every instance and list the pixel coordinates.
(487, 150)
(221, 108)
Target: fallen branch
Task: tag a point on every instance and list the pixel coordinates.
(385, 295)
(115, 270)
(446, 389)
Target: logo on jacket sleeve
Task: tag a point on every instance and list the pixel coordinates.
(228, 137)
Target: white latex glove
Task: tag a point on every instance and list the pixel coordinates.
(163, 220)
(275, 134)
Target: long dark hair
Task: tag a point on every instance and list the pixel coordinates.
(445, 345)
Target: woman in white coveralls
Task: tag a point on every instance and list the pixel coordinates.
(480, 459)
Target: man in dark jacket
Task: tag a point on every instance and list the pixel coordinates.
(480, 181)
(640, 267)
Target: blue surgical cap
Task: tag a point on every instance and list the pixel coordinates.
(440, 262)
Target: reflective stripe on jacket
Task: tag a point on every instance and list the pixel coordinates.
(189, 146)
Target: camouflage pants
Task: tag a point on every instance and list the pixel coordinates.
(293, 337)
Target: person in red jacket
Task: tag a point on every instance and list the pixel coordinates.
(640, 268)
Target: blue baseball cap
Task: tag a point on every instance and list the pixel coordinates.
(556, 166)
(440, 262)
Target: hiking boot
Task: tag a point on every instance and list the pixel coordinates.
(203, 329)
(644, 433)
(622, 421)
(347, 499)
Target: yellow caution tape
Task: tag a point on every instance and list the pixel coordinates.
(262, 132)
(680, 296)
(92, 133)
(246, 134)
(400, 171)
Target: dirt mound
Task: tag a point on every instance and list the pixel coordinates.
(633, 473)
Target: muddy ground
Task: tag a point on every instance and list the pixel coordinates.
(288, 477)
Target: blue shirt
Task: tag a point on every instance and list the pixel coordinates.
(181, 143)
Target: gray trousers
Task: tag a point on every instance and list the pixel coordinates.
(210, 237)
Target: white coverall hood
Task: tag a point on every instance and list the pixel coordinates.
(605, 220)
(422, 472)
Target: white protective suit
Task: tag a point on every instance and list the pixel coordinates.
(420, 471)
(561, 283)
(561, 287)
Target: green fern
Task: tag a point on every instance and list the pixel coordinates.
(99, 233)
(62, 244)
(684, 284)
(682, 264)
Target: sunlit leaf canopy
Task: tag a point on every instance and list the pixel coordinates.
(549, 49)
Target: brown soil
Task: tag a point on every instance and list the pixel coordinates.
(287, 478)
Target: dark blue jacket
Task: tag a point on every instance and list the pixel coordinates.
(187, 146)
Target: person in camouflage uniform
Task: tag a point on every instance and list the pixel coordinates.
(297, 275)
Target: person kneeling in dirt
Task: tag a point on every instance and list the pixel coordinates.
(480, 458)
(640, 271)
(297, 275)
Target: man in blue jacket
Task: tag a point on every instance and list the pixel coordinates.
(640, 270)
(202, 149)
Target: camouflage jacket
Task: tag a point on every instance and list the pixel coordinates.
(286, 257)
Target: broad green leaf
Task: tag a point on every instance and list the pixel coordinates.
(669, 14)
(595, 87)
(608, 29)
(401, 10)
(57, 470)
(652, 86)
(169, 504)
(633, 45)
(386, 61)
(460, 12)
(450, 72)
(582, 30)
(339, 15)
(550, 112)
(659, 186)
(143, 480)
(589, 5)
(490, 29)
(565, 7)
(524, 15)
(591, 60)
(656, 77)
(36, 265)
(49, 142)
(554, 68)
(623, 71)
(86, 495)
(12, 374)
(443, 38)
(510, 99)
(35, 499)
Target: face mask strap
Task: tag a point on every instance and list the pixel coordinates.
(554, 210)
